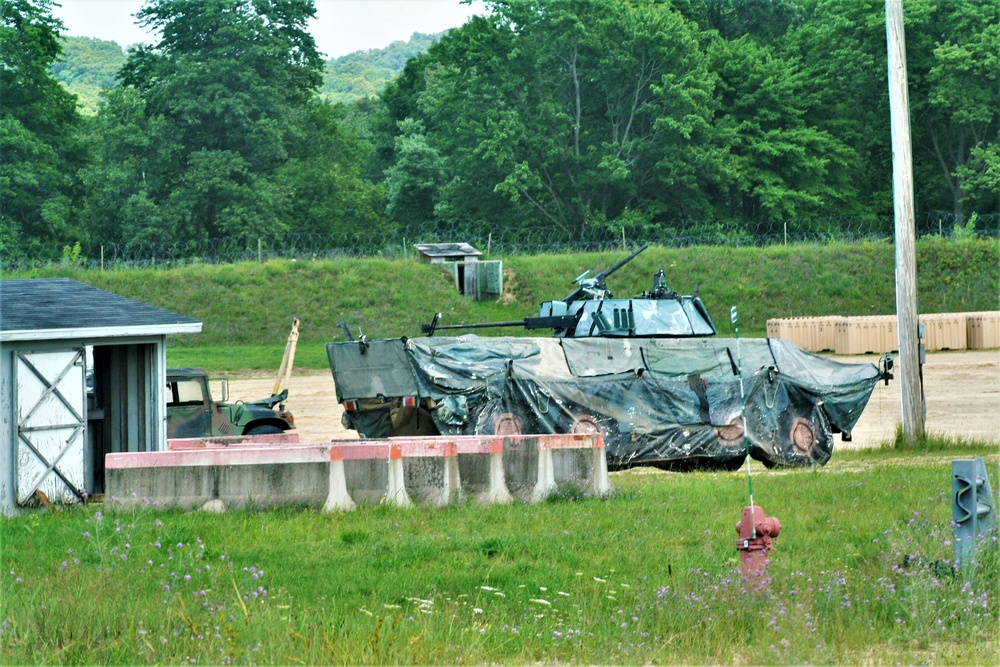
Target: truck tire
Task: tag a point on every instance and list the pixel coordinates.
(264, 429)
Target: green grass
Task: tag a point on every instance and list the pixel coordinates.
(228, 360)
(859, 574)
(247, 308)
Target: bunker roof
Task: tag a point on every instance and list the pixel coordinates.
(442, 251)
(51, 308)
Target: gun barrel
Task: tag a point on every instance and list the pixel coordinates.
(599, 278)
(480, 325)
(608, 272)
(537, 322)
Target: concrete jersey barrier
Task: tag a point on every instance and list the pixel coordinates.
(339, 476)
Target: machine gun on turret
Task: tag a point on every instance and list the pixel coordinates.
(596, 288)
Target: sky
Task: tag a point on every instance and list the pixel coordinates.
(340, 26)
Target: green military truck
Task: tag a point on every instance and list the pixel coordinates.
(193, 413)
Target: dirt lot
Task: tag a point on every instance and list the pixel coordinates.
(962, 390)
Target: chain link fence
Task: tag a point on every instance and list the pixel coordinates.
(498, 242)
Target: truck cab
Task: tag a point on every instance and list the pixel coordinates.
(193, 413)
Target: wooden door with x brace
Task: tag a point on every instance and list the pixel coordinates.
(50, 393)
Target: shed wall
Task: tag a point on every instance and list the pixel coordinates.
(128, 408)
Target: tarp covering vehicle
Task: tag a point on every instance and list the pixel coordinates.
(674, 404)
(649, 373)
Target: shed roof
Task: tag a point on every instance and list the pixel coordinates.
(447, 250)
(42, 309)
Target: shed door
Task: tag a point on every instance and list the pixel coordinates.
(49, 390)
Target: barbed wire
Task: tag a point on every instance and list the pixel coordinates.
(498, 242)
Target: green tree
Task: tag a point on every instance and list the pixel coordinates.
(39, 148)
(783, 166)
(954, 50)
(364, 74)
(952, 71)
(122, 184)
(841, 50)
(981, 177)
(415, 178)
(327, 192)
(764, 21)
(567, 113)
(220, 97)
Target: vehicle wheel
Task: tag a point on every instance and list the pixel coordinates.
(802, 436)
(507, 423)
(265, 429)
(731, 434)
(805, 438)
(587, 423)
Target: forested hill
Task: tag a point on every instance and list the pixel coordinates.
(365, 73)
(90, 64)
(87, 66)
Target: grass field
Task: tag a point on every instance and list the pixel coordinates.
(861, 573)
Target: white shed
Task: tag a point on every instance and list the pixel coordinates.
(56, 424)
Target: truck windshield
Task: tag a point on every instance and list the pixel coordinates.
(185, 392)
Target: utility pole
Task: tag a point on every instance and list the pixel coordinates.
(906, 255)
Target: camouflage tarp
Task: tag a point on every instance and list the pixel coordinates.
(674, 403)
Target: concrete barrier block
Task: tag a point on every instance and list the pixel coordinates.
(945, 331)
(429, 471)
(169, 486)
(270, 485)
(497, 492)
(337, 499)
(545, 478)
(849, 337)
(521, 467)
(216, 442)
(239, 477)
(431, 481)
(602, 482)
(373, 472)
(481, 471)
(983, 330)
(396, 493)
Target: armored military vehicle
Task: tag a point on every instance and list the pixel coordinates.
(649, 372)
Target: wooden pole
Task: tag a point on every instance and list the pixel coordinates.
(906, 256)
(288, 360)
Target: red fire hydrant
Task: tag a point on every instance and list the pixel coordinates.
(756, 532)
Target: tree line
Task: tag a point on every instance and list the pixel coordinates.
(582, 116)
